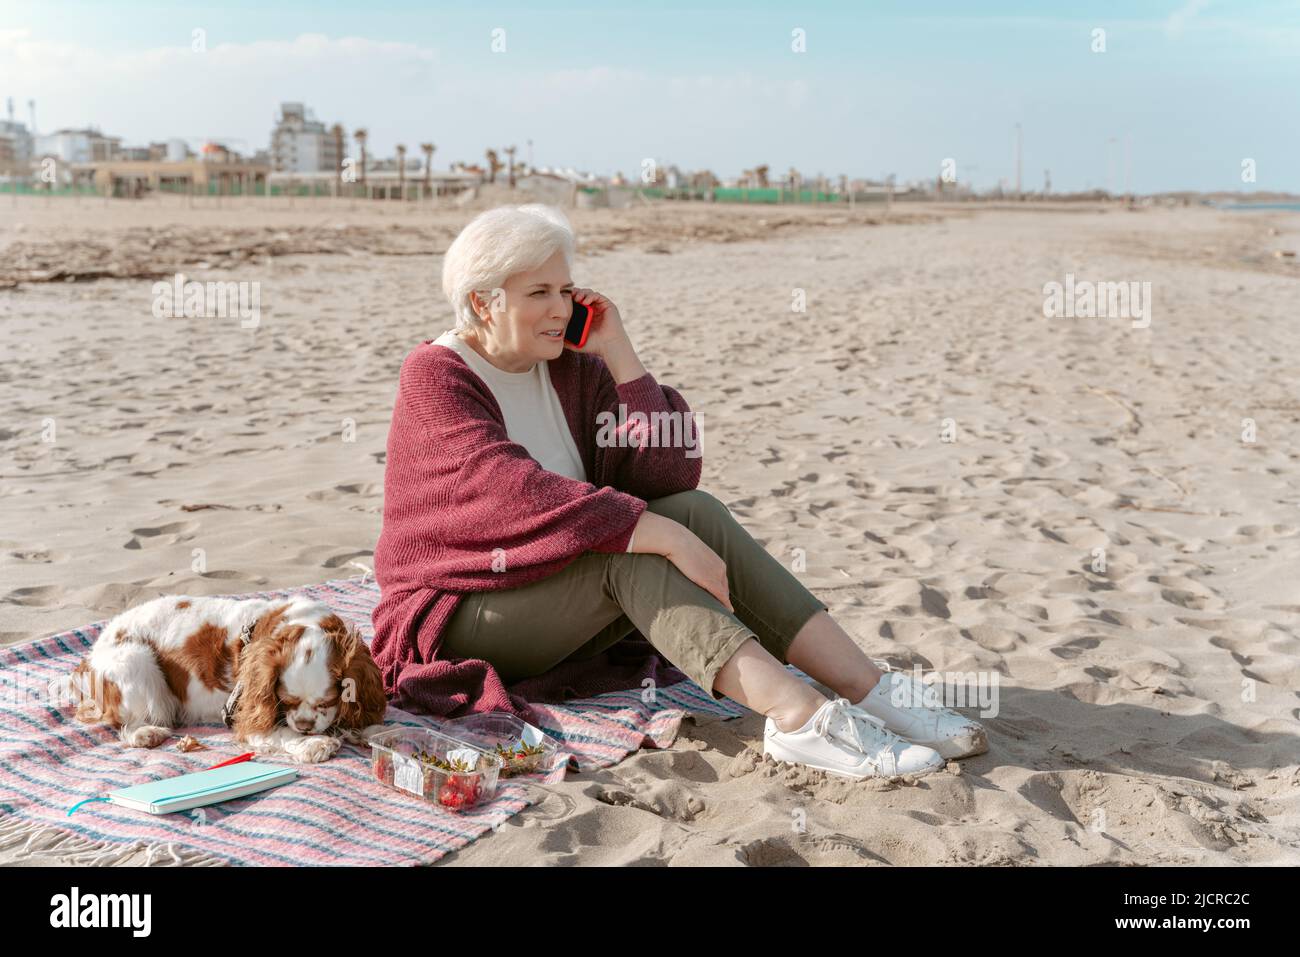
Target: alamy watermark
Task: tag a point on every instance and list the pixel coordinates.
(208, 300)
(75, 909)
(658, 429)
(956, 689)
(1098, 300)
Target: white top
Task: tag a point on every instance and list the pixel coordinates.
(534, 417)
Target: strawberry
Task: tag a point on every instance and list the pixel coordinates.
(462, 792)
(452, 797)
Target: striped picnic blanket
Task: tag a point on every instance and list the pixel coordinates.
(334, 813)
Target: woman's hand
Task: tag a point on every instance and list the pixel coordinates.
(607, 337)
(607, 332)
(701, 565)
(659, 535)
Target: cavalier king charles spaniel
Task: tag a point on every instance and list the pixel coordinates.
(288, 676)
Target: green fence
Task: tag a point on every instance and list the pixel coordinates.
(726, 195)
(213, 188)
(770, 195)
(27, 189)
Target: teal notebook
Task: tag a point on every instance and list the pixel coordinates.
(202, 787)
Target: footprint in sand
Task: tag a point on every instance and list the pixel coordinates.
(37, 555)
(993, 638)
(1123, 619)
(824, 850)
(365, 489)
(1072, 649)
(1073, 797)
(910, 598)
(162, 535)
(1186, 593)
(667, 799)
(1261, 533)
(1010, 584)
(1244, 630)
(34, 595)
(338, 561)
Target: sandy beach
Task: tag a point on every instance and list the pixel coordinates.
(1147, 712)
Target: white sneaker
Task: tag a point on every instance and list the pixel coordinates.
(910, 709)
(845, 740)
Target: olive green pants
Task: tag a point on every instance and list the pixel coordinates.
(601, 597)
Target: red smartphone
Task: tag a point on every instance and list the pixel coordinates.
(579, 325)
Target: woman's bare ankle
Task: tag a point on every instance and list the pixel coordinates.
(793, 714)
(754, 678)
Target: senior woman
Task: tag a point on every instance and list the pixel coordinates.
(530, 521)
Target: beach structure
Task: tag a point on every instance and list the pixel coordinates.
(216, 170)
(16, 143)
(794, 189)
(382, 181)
(156, 152)
(77, 146)
(300, 143)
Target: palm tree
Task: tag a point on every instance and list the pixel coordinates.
(401, 171)
(360, 137)
(339, 135)
(427, 149)
(493, 165)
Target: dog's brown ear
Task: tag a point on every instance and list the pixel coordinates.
(267, 624)
(362, 701)
(258, 674)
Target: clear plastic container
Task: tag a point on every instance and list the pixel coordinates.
(444, 770)
(522, 748)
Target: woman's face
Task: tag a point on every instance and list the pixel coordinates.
(527, 323)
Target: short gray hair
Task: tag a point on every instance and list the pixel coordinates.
(495, 245)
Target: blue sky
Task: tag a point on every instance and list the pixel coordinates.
(1192, 87)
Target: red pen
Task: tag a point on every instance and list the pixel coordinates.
(242, 757)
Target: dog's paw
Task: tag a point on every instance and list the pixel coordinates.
(360, 735)
(313, 749)
(145, 736)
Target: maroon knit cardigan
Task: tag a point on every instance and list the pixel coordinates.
(466, 510)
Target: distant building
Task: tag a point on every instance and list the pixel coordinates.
(78, 146)
(386, 182)
(300, 143)
(15, 143)
(213, 152)
(216, 170)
